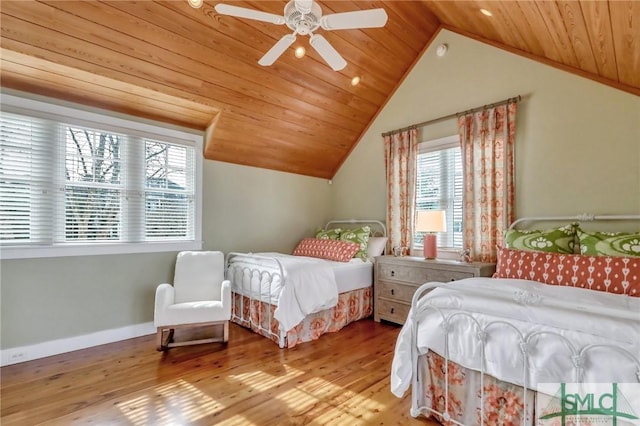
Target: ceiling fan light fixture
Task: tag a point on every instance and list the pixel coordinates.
(196, 4)
(304, 17)
(300, 52)
(486, 12)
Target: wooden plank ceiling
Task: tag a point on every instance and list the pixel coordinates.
(166, 61)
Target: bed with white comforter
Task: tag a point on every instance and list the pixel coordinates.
(283, 296)
(521, 332)
(311, 284)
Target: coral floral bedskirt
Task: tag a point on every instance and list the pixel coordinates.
(352, 306)
(503, 402)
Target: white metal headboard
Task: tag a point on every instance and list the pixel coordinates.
(584, 217)
(381, 225)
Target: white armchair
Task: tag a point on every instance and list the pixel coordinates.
(200, 296)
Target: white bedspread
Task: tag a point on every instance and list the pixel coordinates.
(310, 286)
(530, 307)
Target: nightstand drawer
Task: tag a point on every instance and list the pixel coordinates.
(396, 291)
(420, 275)
(400, 273)
(392, 311)
(445, 276)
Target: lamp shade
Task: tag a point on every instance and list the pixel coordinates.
(431, 221)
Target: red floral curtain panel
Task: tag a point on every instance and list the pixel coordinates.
(487, 139)
(400, 151)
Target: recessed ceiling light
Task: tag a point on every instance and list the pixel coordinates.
(196, 3)
(355, 81)
(300, 52)
(486, 12)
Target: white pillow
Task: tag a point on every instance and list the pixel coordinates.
(376, 246)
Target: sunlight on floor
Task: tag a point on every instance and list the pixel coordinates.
(262, 381)
(315, 391)
(177, 402)
(311, 392)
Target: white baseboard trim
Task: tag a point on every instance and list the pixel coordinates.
(54, 347)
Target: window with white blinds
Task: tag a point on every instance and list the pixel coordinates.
(439, 186)
(77, 186)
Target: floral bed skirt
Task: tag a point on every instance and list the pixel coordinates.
(352, 306)
(503, 402)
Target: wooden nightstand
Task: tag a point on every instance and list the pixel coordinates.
(397, 278)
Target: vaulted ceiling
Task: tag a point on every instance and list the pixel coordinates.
(166, 61)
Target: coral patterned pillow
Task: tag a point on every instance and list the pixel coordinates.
(619, 275)
(341, 251)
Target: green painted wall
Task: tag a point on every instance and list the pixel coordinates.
(251, 209)
(53, 298)
(244, 209)
(577, 141)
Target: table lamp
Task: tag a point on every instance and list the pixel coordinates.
(431, 221)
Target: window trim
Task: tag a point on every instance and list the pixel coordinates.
(446, 142)
(105, 121)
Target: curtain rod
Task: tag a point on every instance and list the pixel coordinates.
(457, 114)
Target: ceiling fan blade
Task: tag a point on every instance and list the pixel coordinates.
(328, 53)
(373, 18)
(277, 50)
(243, 12)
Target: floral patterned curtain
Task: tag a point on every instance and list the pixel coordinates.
(487, 140)
(400, 151)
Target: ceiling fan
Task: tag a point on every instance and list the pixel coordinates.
(304, 17)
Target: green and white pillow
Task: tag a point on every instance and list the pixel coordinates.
(556, 240)
(359, 235)
(328, 234)
(609, 243)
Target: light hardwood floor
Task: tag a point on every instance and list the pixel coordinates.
(340, 379)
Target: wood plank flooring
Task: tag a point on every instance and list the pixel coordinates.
(340, 379)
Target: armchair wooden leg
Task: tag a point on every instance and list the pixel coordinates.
(159, 339)
(163, 338)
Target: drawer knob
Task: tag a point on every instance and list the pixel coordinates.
(393, 310)
(393, 292)
(393, 273)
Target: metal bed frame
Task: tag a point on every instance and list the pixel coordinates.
(241, 268)
(577, 354)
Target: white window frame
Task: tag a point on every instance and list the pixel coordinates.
(84, 118)
(446, 142)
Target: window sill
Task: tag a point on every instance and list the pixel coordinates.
(24, 252)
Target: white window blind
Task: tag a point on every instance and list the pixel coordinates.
(26, 179)
(439, 186)
(169, 191)
(67, 184)
(94, 185)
